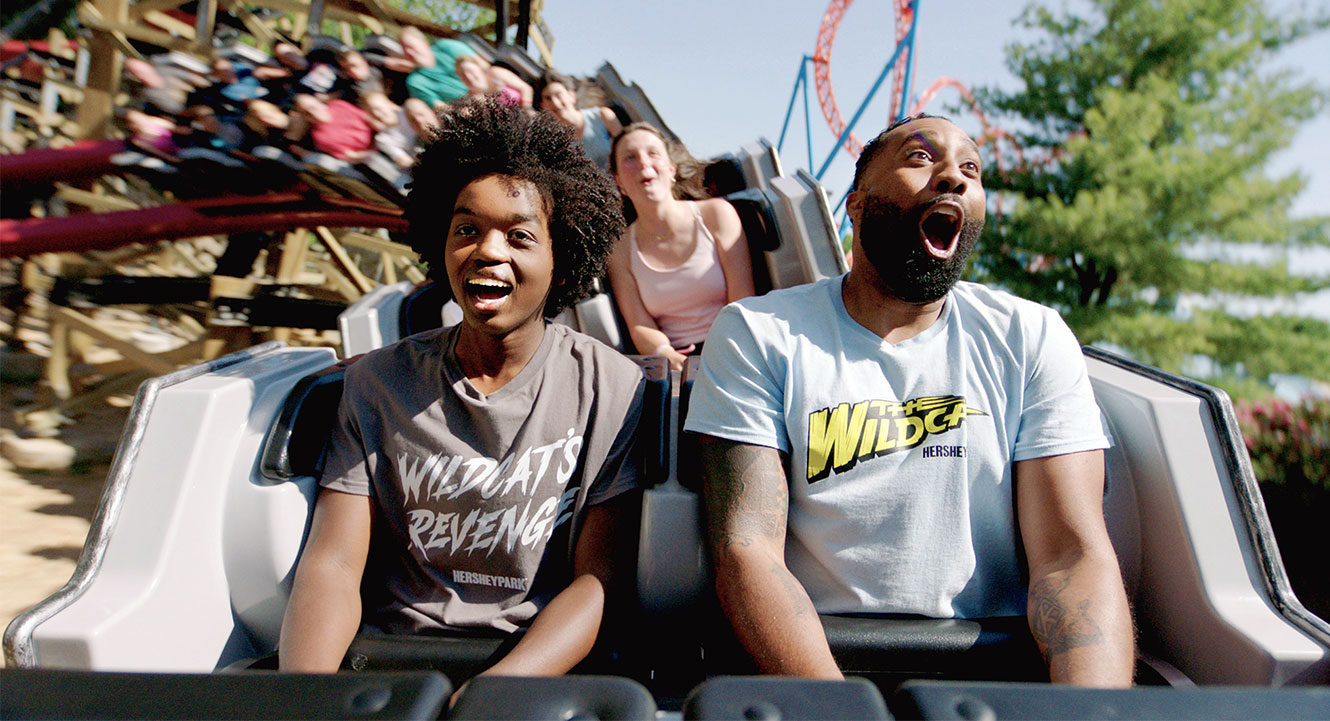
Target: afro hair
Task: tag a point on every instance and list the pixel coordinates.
(480, 137)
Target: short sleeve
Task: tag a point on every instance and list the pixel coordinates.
(1059, 414)
(419, 87)
(621, 471)
(345, 466)
(738, 396)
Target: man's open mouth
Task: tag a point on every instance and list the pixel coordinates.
(488, 293)
(940, 229)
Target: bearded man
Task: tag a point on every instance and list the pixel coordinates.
(894, 441)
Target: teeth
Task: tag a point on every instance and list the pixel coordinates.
(489, 283)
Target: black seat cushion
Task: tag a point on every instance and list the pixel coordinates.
(952, 648)
(422, 308)
(295, 443)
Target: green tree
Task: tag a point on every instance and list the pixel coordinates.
(457, 14)
(1147, 126)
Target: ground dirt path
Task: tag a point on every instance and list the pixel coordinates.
(44, 515)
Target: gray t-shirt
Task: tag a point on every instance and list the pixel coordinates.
(479, 497)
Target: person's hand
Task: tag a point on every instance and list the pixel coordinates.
(676, 357)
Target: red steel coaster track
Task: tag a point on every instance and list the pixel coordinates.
(904, 15)
(296, 206)
(826, 37)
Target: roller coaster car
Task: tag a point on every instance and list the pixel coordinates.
(189, 561)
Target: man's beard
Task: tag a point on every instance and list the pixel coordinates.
(891, 242)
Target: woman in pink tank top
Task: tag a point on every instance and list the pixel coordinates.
(680, 260)
(482, 78)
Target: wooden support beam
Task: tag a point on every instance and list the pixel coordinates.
(205, 23)
(264, 35)
(348, 266)
(371, 24)
(94, 20)
(22, 105)
(57, 364)
(295, 247)
(299, 25)
(333, 11)
(187, 353)
(74, 320)
(380, 13)
(171, 25)
(337, 279)
(315, 13)
(142, 7)
(94, 113)
(381, 245)
(97, 202)
(185, 254)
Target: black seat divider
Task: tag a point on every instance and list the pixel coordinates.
(295, 442)
(760, 231)
(69, 694)
(458, 655)
(1003, 701)
(690, 466)
(653, 441)
(608, 698)
(765, 697)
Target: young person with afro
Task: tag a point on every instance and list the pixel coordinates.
(488, 462)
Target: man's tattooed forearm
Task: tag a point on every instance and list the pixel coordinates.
(803, 606)
(1058, 627)
(744, 494)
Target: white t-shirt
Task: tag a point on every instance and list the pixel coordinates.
(904, 504)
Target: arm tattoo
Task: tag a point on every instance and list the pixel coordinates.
(803, 606)
(743, 493)
(1058, 628)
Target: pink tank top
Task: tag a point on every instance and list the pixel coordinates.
(684, 300)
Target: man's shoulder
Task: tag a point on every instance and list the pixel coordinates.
(804, 309)
(451, 48)
(999, 306)
(424, 77)
(785, 302)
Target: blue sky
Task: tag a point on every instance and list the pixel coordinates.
(721, 72)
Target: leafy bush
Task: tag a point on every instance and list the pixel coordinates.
(1289, 443)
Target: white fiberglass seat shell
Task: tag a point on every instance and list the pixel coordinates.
(1209, 591)
(190, 556)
